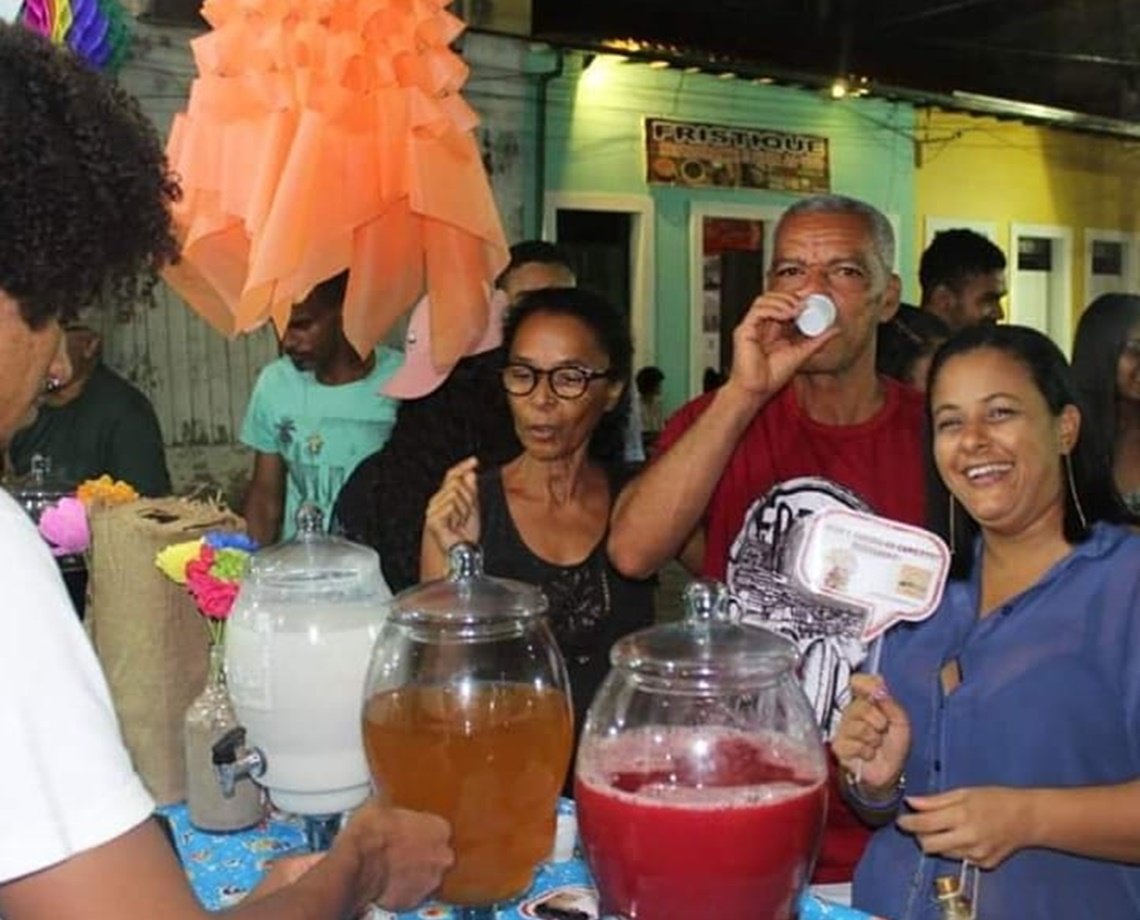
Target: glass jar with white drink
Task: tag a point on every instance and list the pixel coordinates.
(297, 649)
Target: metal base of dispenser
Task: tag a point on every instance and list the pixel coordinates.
(320, 831)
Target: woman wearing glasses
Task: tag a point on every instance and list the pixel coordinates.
(543, 517)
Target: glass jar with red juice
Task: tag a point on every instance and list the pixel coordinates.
(701, 775)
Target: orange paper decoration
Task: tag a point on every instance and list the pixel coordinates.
(322, 135)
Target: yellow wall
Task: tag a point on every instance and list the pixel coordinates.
(1006, 172)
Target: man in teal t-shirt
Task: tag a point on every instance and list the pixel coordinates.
(314, 415)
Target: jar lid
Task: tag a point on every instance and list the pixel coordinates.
(39, 488)
(466, 596)
(709, 646)
(314, 565)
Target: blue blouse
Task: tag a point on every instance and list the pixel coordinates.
(1049, 697)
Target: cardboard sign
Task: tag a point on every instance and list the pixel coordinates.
(892, 570)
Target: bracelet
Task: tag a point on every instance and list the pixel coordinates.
(884, 805)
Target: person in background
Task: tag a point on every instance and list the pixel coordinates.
(315, 413)
(800, 424)
(76, 835)
(94, 423)
(962, 275)
(1106, 366)
(1014, 711)
(648, 381)
(711, 379)
(543, 516)
(907, 345)
(463, 414)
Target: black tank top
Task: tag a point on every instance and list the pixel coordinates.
(592, 605)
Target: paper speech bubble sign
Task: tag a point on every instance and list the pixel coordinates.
(894, 571)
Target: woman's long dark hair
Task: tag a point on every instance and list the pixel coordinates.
(1051, 374)
(1101, 336)
(607, 444)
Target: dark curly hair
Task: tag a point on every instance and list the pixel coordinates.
(84, 187)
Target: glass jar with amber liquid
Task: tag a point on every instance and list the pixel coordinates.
(467, 715)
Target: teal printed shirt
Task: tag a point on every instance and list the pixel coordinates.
(321, 432)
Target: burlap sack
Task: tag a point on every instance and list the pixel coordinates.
(146, 630)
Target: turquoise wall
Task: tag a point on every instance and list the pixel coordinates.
(594, 138)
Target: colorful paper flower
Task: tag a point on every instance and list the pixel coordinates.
(173, 560)
(212, 569)
(97, 30)
(105, 491)
(64, 526)
(222, 540)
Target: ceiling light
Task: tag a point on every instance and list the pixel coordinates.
(839, 88)
(726, 75)
(658, 65)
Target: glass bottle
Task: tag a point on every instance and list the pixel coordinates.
(953, 902)
(209, 717)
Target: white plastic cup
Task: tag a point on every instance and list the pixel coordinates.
(565, 838)
(817, 316)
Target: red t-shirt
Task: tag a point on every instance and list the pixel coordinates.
(787, 466)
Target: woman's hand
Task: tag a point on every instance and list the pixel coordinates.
(453, 512)
(873, 737)
(982, 824)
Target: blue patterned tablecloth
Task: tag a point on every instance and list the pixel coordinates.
(223, 868)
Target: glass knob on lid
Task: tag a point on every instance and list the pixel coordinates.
(709, 646)
(310, 520)
(467, 598)
(314, 565)
(40, 487)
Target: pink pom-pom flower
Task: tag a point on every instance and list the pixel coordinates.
(64, 526)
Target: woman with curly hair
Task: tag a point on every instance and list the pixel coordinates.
(84, 193)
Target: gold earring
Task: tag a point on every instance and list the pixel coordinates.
(1068, 458)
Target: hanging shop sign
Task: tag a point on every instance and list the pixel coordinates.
(697, 154)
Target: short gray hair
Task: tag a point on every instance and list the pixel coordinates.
(882, 233)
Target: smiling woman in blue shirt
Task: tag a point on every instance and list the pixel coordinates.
(1014, 712)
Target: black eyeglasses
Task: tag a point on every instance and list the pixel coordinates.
(567, 382)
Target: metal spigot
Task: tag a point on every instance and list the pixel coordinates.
(234, 761)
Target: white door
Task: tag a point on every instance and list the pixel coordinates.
(643, 318)
(715, 228)
(1041, 281)
(1110, 263)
